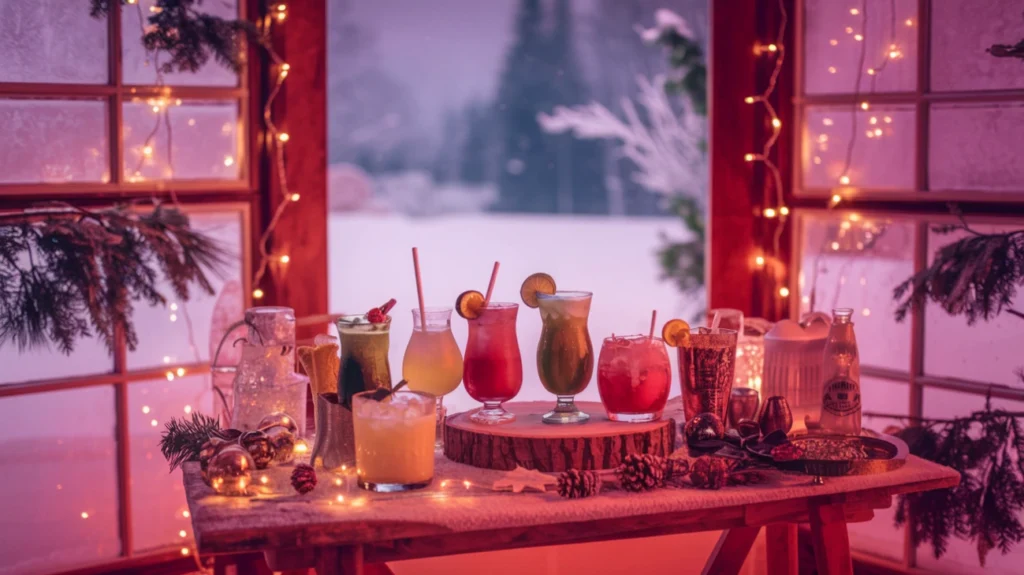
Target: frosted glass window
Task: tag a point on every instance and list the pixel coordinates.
(853, 260)
(52, 41)
(961, 32)
(971, 147)
(89, 357)
(53, 141)
(59, 496)
(183, 332)
(962, 556)
(832, 51)
(885, 159)
(158, 497)
(139, 67)
(205, 140)
(986, 352)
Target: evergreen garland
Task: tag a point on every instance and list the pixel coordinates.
(189, 36)
(64, 267)
(183, 439)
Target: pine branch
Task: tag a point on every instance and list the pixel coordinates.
(183, 439)
(68, 273)
(1007, 50)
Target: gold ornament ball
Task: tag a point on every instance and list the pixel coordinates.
(230, 471)
(279, 418)
(283, 442)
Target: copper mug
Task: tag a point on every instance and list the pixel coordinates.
(776, 415)
(743, 404)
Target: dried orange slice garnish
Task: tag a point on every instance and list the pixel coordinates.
(469, 303)
(676, 333)
(535, 284)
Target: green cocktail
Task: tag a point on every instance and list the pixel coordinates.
(565, 354)
(364, 356)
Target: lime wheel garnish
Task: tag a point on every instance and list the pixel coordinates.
(676, 333)
(469, 304)
(535, 284)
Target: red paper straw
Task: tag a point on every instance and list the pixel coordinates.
(654, 319)
(419, 288)
(490, 286)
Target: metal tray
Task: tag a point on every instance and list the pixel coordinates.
(885, 453)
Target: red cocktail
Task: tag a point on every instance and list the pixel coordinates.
(633, 377)
(493, 367)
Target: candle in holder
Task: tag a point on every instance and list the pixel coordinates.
(743, 403)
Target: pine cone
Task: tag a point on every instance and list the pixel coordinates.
(709, 472)
(676, 468)
(576, 484)
(303, 478)
(641, 472)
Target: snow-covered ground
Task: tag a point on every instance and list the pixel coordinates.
(614, 257)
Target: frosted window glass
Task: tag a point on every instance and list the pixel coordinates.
(986, 352)
(855, 261)
(961, 32)
(52, 41)
(831, 68)
(138, 66)
(883, 160)
(971, 147)
(158, 497)
(89, 357)
(59, 496)
(961, 557)
(53, 141)
(165, 338)
(205, 141)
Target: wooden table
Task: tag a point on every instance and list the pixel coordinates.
(338, 527)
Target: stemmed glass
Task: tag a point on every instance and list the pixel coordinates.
(433, 362)
(565, 354)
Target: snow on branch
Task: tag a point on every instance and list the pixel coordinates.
(667, 147)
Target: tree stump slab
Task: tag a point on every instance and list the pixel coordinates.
(528, 442)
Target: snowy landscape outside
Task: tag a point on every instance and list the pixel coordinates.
(539, 133)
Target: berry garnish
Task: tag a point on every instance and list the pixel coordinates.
(375, 315)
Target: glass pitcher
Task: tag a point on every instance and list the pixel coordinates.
(265, 380)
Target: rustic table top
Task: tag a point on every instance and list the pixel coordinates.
(461, 502)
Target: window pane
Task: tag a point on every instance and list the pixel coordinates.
(158, 497)
(961, 31)
(986, 352)
(971, 147)
(45, 40)
(183, 332)
(53, 141)
(962, 556)
(204, 140)
(878, 161)
(58, 460)
(852, 260)
(138, 66)
(832, 52)
(90, 357)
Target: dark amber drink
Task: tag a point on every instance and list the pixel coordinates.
(565, 354)
(706, 369)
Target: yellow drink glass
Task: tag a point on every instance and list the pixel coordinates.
(433, 362)
(394, 440)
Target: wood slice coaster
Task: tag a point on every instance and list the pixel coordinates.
(528, 442)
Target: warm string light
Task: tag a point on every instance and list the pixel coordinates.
(779, 211)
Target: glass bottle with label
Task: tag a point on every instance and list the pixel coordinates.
(840, 402)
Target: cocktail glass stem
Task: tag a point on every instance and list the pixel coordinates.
(492, 413)
(442, 412)
(565, 411)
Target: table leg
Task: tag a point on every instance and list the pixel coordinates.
(782, 548)
(830, 539)
(731, 551)
(340, 561)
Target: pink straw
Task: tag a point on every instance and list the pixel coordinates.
(419, 288)
(654, 319)
(490, 286)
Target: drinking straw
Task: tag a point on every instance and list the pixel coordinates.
(490, 286)
(654, 318)
(715, 320)
(419, 288)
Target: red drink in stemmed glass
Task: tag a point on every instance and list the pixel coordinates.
(633, 378)
(493, 367)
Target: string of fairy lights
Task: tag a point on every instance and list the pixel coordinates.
(878, 127)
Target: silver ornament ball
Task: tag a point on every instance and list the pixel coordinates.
(279, 418)
(283, 442)
(230, 471)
